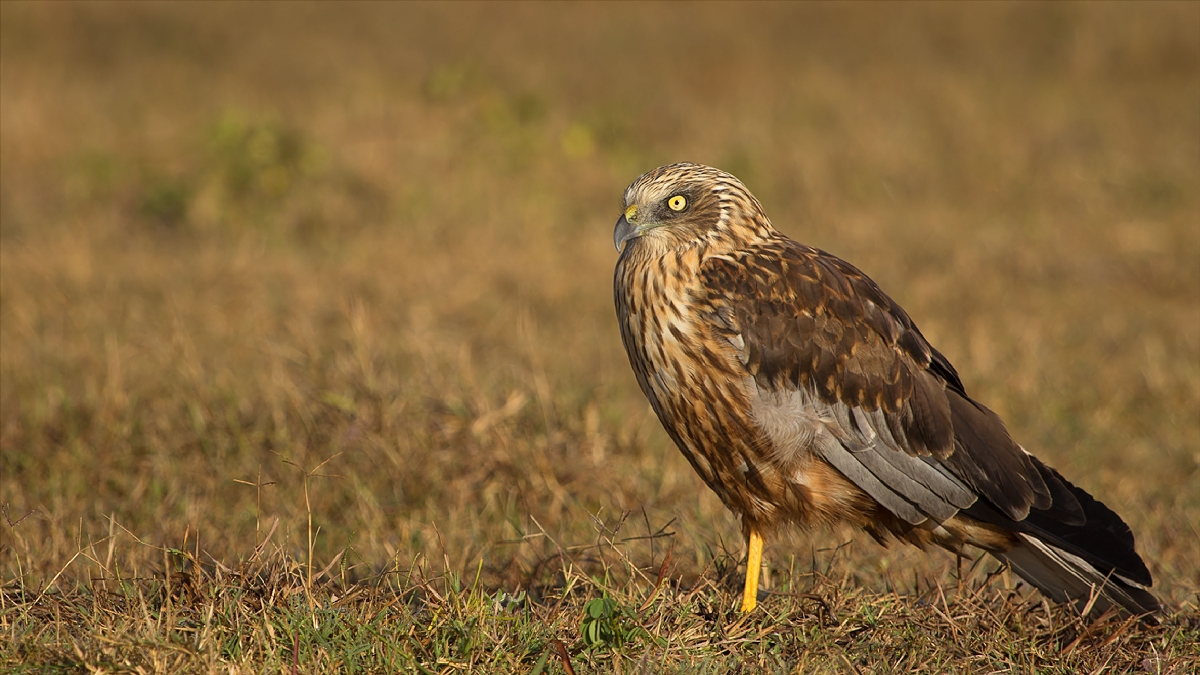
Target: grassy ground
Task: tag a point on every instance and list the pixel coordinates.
(308, 360)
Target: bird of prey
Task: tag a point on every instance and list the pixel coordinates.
(801, 393)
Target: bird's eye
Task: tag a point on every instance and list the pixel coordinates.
(677, 203)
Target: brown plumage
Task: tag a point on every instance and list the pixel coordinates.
(801, 393)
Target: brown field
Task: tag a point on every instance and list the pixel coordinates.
(308, 360)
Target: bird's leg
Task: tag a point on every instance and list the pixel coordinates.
(754, 544)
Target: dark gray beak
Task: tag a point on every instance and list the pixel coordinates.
(624, 231)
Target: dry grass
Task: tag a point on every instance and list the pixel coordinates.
(308, 360)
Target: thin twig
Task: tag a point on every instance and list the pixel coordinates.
(562, 654)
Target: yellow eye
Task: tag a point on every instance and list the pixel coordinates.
(677, 203)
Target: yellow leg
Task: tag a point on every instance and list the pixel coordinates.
(753, 566)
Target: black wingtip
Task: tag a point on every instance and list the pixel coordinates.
(1102, 542)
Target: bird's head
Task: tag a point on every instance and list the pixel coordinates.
(680, 205)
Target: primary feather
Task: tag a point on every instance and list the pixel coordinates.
(801, 393)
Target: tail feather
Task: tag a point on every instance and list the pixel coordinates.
(1066, 577)
(1078, 550)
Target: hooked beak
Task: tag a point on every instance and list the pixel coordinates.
(626, 230)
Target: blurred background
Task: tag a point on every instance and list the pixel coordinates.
(238, 241)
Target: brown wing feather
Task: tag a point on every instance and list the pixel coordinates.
(817, 322)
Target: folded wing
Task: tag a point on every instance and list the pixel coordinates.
(817, 334)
